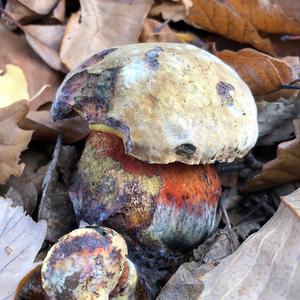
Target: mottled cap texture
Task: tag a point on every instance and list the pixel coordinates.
(84, 264)
(168, 102)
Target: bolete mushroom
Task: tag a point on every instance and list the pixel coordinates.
(89, 263)
(156, 111)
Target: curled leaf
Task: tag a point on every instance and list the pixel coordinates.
(13, 139)
(262, 73)
(102, 24)
(284, 168)
(222, 17)
(174, 10)
(16, 51)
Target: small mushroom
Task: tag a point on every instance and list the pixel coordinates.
(158, 110)
(88, 263)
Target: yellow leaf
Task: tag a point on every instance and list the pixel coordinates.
(13, 86)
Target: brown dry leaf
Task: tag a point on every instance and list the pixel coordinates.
(154, 31)
(15, 51)
(174, 10)
(102, 24)
(38, 6)
(73, 129)
(266, 266)
(45, 41)
(59, 12)
(291, 8)
(267, 16)
(20, 240)
(262, 73)
(13, 140)
(222, 17)
(285, 168)
(18, 11)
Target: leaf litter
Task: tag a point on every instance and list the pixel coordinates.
(41, 41)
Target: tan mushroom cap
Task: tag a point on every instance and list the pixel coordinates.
(84, 264)
(169, 102)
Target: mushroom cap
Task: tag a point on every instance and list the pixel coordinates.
(84, 264)
(168, 102)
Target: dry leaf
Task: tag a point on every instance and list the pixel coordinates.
(285, 168)
(15, 51)
(154, 31)
(18, 11)
(13, 140)
(59, 11)
(73, 129)
(20, 240)
(223, 18)
(243, 20)
(291, 8)
(45, 40)
(38, 6)
(262, 73)
(266, 266)
(267, 15)
(174, 10)
(102, 24)
(13, 85)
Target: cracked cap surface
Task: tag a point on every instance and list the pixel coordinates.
(168, 102)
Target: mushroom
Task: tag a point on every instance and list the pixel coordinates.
(157, 111)
(89, 263)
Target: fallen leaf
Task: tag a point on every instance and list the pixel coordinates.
(291, 8)
(157, 32)
(275, 121)
(20, 240)
(266, 266)
(154, 31)
(13, 85)
(102, 24)
(73, 129)
(40, 7)
(13, 140)
(15, 51)
(267, 15)
(45, 40)
(223, 18)
(262, 73)
(285, 168)
(18, 11)
(59, 12)
(174, 10)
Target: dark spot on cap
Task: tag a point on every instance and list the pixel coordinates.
(185, 150)
(96, 58)
(72, 281)
(151, 57)
(115, 255)
(72, 245)
(98, 90)
(223, 89)
(90, 92)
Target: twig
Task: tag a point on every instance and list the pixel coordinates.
(50, 178)
(226, 220)
(285, 38)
